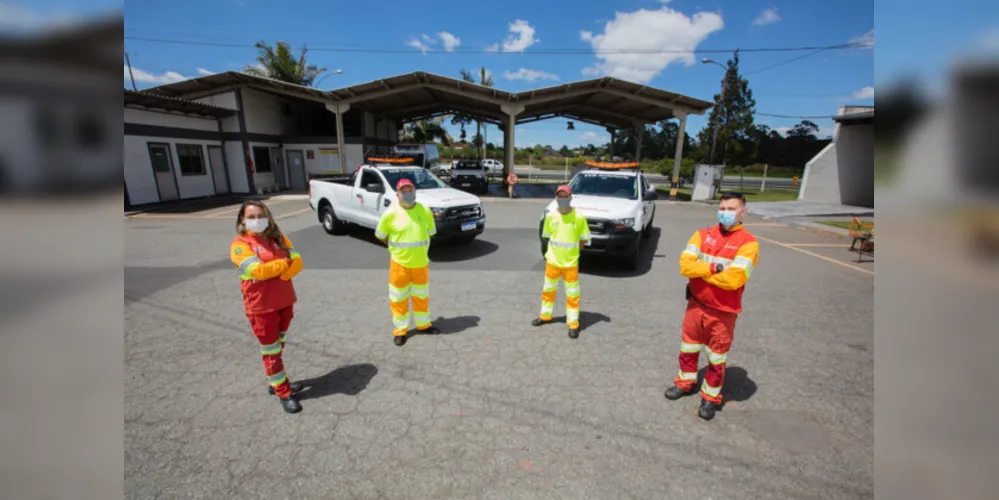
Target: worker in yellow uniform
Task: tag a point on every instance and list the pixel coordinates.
(567, 232)
(406, 228)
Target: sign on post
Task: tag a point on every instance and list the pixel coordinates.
(510, 181)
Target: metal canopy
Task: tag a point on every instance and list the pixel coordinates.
(603, 101)
(153, 101)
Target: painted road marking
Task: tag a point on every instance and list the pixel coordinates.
(841, 245)
(813, 254)
(763, 224)
(292, 214)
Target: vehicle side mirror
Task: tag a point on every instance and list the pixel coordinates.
(375, 187)
(652, 195)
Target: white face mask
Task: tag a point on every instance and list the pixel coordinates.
(256, 225)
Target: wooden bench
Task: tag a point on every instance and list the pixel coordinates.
(863, 238)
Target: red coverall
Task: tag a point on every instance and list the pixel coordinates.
(268, 297)
(714, 301)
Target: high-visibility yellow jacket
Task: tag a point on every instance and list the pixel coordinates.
(565, 233)
(407, 233)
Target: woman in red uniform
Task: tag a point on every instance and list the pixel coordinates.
(267, 262)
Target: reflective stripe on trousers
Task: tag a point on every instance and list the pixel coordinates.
(572, 293)
(405, 284)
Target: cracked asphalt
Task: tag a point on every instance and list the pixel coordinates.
(492, 408)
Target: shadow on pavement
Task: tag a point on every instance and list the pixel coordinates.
(613, 267)
(496, 190)
(586, 319)
(191, 206)
(738, 387)
(456, 324)
(349, 380)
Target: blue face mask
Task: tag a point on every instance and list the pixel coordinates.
(726, 218)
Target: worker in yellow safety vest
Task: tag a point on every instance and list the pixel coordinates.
(406, 229)
(567, 232)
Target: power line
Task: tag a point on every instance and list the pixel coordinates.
(813, 117)
(483, 51)
(789, 61)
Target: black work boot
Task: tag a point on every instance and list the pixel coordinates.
(296, 387)
(291, 404)
(573, 333)
(707, 410)
(674, 393)
(540, 322)
(399, 339)
(433, 330)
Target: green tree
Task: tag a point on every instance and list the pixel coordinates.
(424, 131)
(486, 80)
(733, 114)
(278, 63)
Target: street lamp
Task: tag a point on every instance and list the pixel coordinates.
(334, 72)
(714, 134)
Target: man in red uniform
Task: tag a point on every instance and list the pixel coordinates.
(718, 261)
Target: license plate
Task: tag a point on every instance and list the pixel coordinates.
(468, 226)
(466, 184)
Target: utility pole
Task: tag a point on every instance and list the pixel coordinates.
(130, 75)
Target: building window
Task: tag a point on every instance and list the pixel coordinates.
(261, 159)
(191, 159)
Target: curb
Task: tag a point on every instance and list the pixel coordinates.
(816, 227)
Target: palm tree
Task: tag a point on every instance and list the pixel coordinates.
(280, 64)
(486, 80)
(423, 131)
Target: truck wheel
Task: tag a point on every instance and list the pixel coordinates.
(330, 223)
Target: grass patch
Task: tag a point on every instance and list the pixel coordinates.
(842, 224)
(751, 196)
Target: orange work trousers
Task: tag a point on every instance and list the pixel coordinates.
(571, 277)
(711, 329)
(406, 283)
(271, 330)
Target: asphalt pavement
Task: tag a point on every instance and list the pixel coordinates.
(492, 408)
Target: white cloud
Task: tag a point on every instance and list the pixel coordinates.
(418, 45)
(450, 41)
(866, 40)
(520, 38)
(768, 16)
(493, 48)
(590, 137)
(205, 72)
(146, 77)
(864, 93)
(529, 75)
(648, 31)
(989, 40)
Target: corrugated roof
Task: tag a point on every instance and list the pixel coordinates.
(153, 101)
(207, 85)
(863, 116)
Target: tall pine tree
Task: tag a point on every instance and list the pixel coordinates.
(733, 114)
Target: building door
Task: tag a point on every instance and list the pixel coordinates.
(280, 178)
(166, 182)
(296, 169)
(218, 170)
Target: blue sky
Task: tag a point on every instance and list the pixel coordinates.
(522, 31)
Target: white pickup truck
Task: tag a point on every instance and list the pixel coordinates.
(618, 206)
(362, 197)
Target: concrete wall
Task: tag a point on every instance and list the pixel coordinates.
(140, 179)
(820, 182)
(855, 156)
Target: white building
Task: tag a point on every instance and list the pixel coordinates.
(237, 133)
(843, 172)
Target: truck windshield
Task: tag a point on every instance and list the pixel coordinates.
(614, 186)
(469, 165)
(420, 178)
